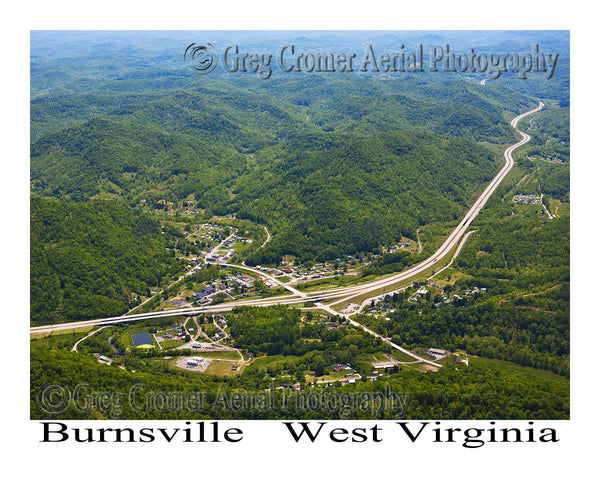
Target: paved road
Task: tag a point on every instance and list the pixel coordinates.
(454, 237)
(456, 252)
(544, 206)
(371, 332)
(93, 332)
(348, 292)
(268, 277)
(220, 245)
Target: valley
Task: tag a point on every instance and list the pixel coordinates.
(310, 231)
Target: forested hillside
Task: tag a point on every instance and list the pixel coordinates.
(186, 142)
(152, 184)
(119, 161)
(486, 389)
(332, 166)
(369, 106)
(93, 259)
(326, 197)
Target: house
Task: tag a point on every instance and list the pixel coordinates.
(205, 291)
(436, 352)
(385, 365)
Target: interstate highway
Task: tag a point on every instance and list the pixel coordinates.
(349, 292)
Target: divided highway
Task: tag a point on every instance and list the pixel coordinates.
(296, 296)
(455, 236)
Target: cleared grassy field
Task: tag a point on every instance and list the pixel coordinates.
(222, 368)
(449, 277)
(401, 356)
(57, 340)
(332, 377)
(564, 209)
(264, 362)
(223, 355)
(37, 335)
(381, 357)
(170, 344)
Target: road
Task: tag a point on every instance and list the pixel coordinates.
(455, 236)
(546, 210)
(268, 277)
(93, 332)
(268, 238)
(371, 332)
(458, 249)
(317, 297)
(220, 245)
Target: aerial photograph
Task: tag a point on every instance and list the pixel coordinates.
(299, 225)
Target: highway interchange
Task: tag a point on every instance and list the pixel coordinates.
(339, 295)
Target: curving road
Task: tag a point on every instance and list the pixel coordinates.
(317, 297)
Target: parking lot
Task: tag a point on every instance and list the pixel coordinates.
(182, 362)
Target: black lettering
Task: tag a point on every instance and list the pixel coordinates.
(338, 431)
(131, 435)
(376, 429)
(233, 431)
(168, 437)
(79, 436)
(361, 433)
(472, 440)
(412, 437)
(551, 433)
(148, 433)
(188, 432)
(61, 432)
(102, 431)
(305, 429)
(215, 432)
